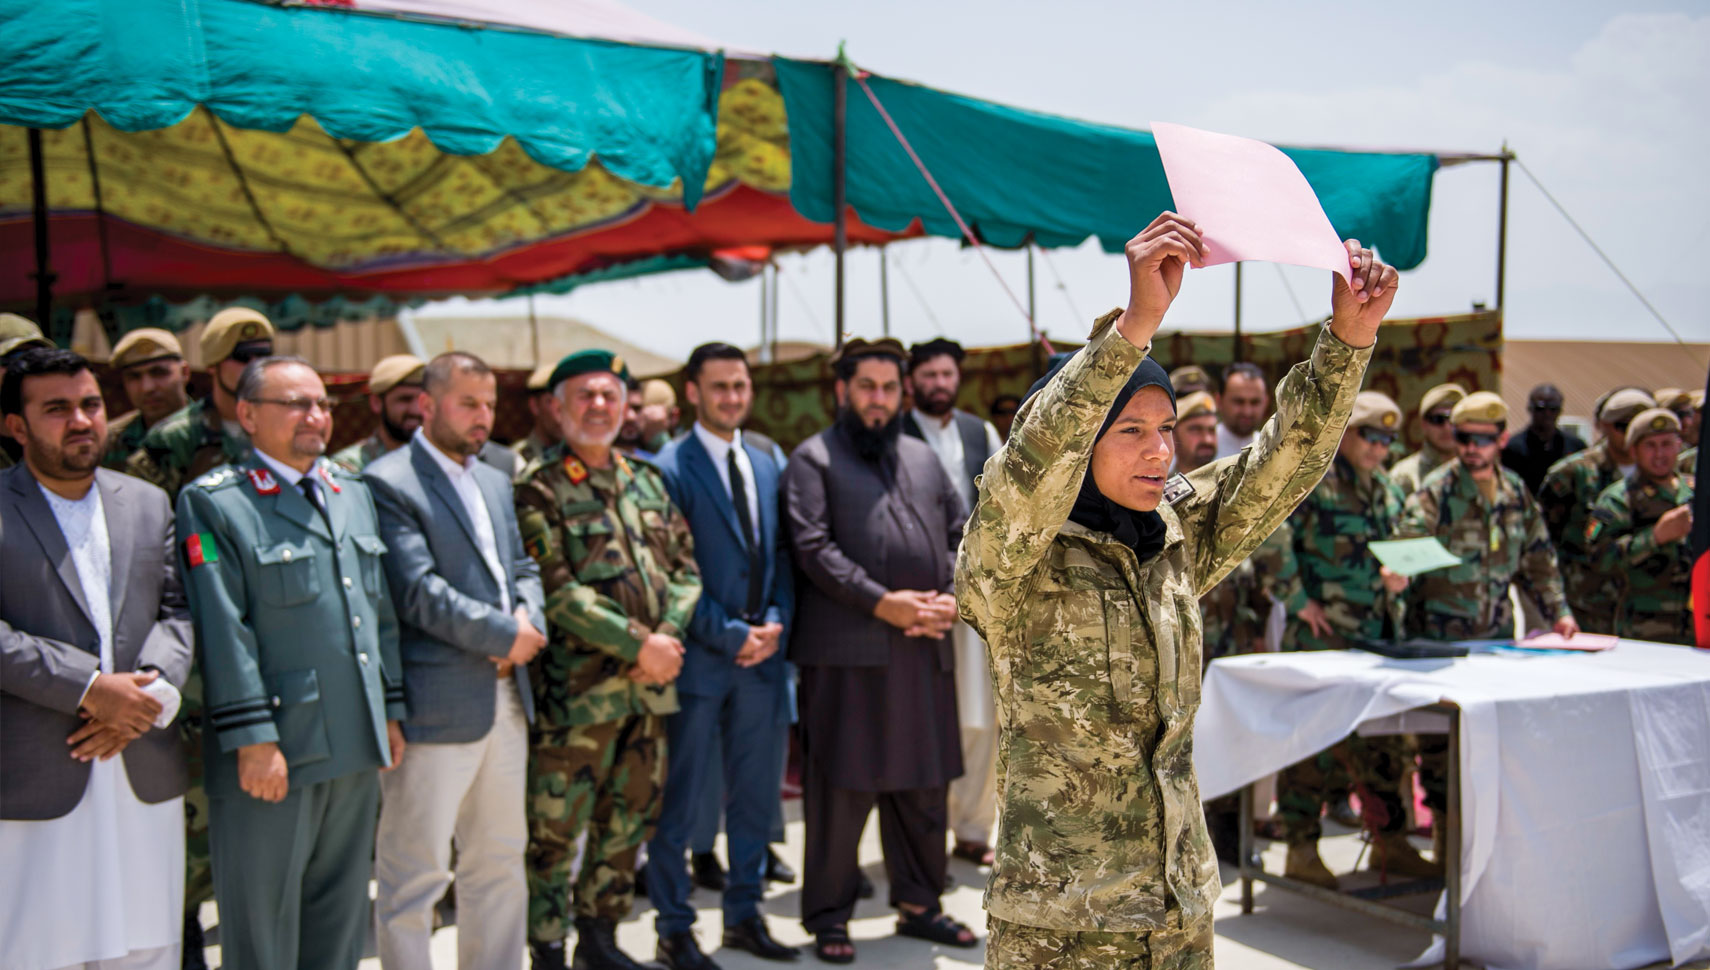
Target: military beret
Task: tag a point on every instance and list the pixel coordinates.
(144, 345)
(1624, 404)
(1443, 395)
(230, 327)
(1697, 400)
(1195, 405)
(936, 347)
(394, 370)
(1189, 375)
(588, 362)
(17, 332)
(538, 379)
(1374, 409)
(862, 347)
(1672, 398)
(1650, 422)
(1479, 406)
(658, 392)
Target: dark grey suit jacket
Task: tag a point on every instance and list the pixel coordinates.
(49, 648)
(447, 602)
(860, 530)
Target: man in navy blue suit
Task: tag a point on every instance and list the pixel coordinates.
(732, 688)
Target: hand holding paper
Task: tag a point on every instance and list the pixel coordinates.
(1410, 557)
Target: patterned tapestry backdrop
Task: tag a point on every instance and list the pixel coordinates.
(794, 400)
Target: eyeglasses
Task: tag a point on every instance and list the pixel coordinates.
(297, 405)
(1377, 436)
(1437, 418)
(1475, 438)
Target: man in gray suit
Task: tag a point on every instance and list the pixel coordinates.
(94, 642)
(468, 599)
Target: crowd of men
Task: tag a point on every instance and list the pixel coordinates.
(502, 674)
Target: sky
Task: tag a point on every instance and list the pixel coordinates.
(1605, 104)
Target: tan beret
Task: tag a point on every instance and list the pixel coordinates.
(230, 327)
(1443, 395)
(1672, 398)
(1196, 405)
(1697, 399)
(1374, 409)
(1189, 375)
(394, 370)
(1651, 422)
(17, 332)
(540, 378)
(1624, 404)
(1479, 406)
(144, 345)
(658, 392)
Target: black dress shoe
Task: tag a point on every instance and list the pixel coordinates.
(777, 870)
(192, 956)
(706, 871)
(546, 956)
(597, 949)
(865, 891)
(679, 951)
(752, 935)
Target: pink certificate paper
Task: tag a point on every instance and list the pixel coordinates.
(1248, 199)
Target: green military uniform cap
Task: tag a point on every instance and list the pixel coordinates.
(17, 332)
(1189, 375)
(394, 370)
(1479, 406)
(1197, 404)
(1375, 409)
(588, 362)
(230, 327)
(144, 345)
(1443, 395)
(539, 381)
(1651, 422)
(1623, 405)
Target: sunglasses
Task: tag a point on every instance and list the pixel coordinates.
(1474, 438)
(244, 353)
(1377, 436)
(1546, 408)
(1437, 418)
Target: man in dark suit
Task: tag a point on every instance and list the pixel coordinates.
(468, 599)
(874, 522)
(732, 692)
(94, 644)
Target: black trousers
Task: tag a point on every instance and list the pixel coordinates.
(912, 828)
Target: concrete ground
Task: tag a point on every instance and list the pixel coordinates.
(1284, 931)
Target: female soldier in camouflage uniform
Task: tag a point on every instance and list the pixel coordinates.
(1082, 569)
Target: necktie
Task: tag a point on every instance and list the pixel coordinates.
(751, 538)
(312, 492)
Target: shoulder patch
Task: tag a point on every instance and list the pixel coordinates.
(264, 482)
(1176, 488)
(577, 471)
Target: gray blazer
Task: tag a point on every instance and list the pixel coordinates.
(447, 603)
(49, 648)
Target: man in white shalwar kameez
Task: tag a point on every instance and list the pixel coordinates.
(94, 633)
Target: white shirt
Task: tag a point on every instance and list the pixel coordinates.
(1228, 442)
(720, 451)
(286, 473)
(463, 483)
(946, 442)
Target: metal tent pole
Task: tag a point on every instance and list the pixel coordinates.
(1236, 356)
(39, 210)
(885, 289)
(839, 158)
(1502, 230)
(1032, 308)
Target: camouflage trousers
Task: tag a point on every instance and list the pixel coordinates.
(608, 778)
(1374, 768)
(198, 863)
(1014, 946)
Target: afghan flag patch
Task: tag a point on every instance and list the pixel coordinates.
(200, 549)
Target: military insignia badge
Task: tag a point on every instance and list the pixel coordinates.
(1177, 488)
(617, 364)
(1658, 423)
(1592, 528)
(1389, 419)
(264, 482)
(326, 476)
(199, 549)
(577, 471)
(250, 330)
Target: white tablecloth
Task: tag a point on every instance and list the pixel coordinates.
(1585, 793)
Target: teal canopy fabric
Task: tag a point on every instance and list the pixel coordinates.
(1014, 173)
(648, 114)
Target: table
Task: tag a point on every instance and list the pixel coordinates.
(1584, 794)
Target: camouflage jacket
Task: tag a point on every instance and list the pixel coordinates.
(617, 563)
(529, 447)
(124, 435)
(1688, 464)
(1498, 542)
(1235, 613)
(1409, 473)
(1096, 656)
(183, 445)
(1650, 579)
(357, 456)
(1570, 489)
(1332, 563)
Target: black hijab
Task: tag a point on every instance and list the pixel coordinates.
(1142, 532)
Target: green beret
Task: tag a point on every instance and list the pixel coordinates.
(588, 362)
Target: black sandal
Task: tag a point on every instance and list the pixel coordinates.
(936, 926)
(838, 936)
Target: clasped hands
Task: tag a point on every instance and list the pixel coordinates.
(918, 613)
(116, 711)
